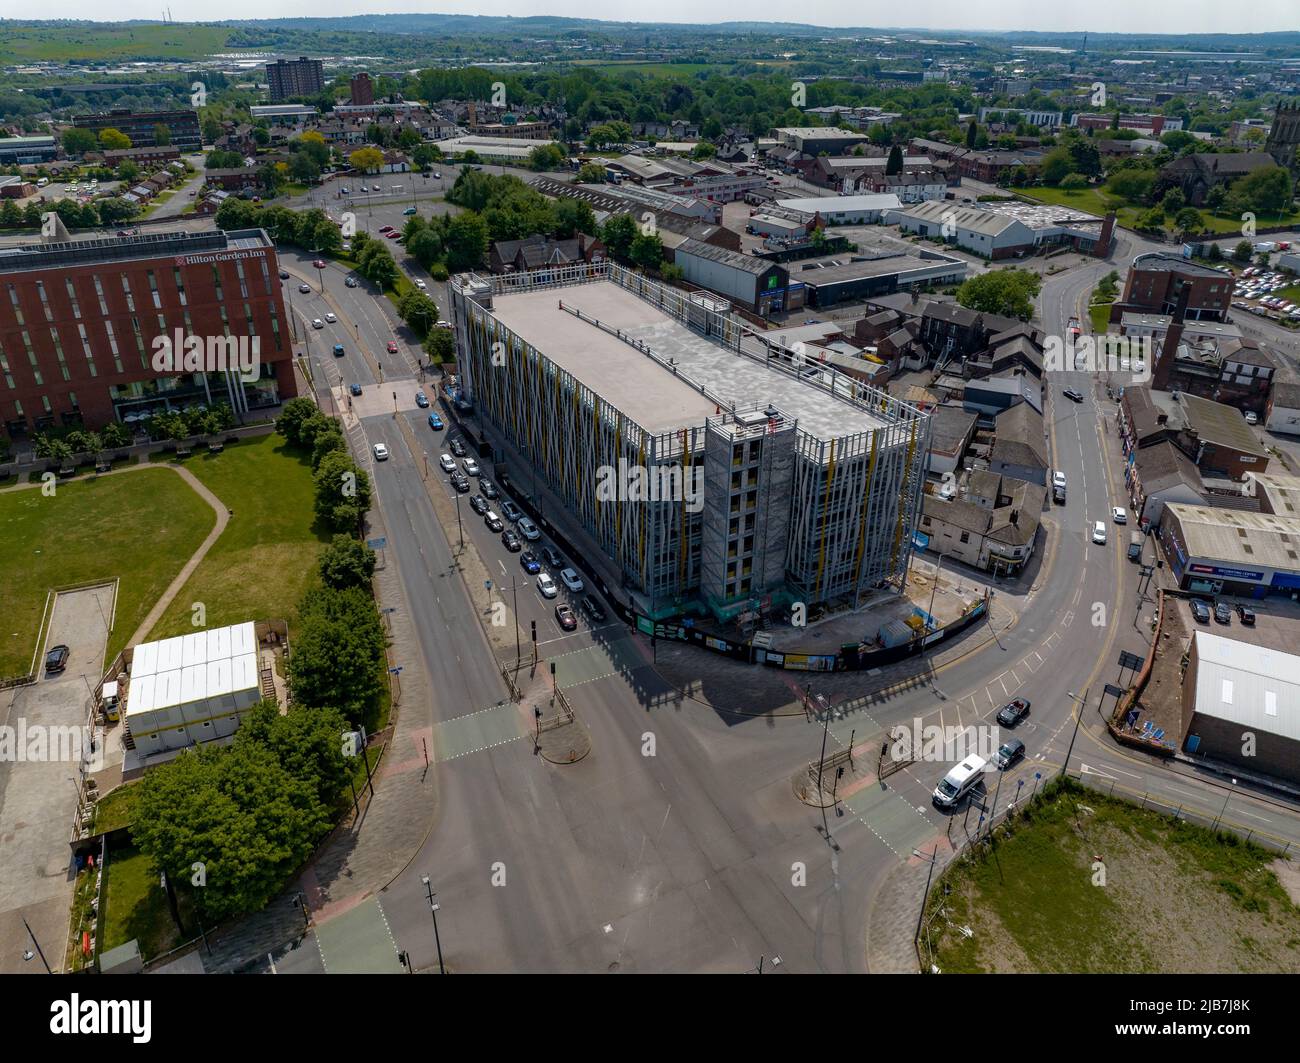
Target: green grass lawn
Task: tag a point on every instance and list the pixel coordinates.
(116, 808)
(266, 557)
(1099, 315)
(1093, 200)
(139, 526)
(1175, 897)
(135, 907)
(28, 41)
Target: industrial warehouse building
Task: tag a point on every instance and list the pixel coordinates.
(809, 482)
(191, 688)
(1231, 551)
(760, 285)
(1004, 231)
(1241, 705)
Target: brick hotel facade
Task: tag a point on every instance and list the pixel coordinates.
(78, 321)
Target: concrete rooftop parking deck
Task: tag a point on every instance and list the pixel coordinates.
(646, 391)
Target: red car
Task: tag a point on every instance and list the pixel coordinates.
(566, 616)
(392, 347)
(394, 235)
(319, 263)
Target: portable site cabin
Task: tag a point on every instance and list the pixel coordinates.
(191, 688)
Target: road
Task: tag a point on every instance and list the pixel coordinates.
(698, 858)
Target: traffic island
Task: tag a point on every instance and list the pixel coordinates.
(828, 780)
(559, 737)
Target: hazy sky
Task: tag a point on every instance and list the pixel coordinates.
(1149, 16)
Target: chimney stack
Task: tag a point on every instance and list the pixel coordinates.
(1164, 360)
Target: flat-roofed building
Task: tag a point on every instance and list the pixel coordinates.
(1241, 705)
(809, 481)
(1213, 550)
(813, 140)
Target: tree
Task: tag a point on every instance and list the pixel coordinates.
(161, 135)
(591, 173)
(1132, 185)
(338, 654)
(972, 133)
(326, 438)
(1214, 253)
(1188, 220)
(1173, 201)
(346, 562)
(293, 414)
(1241, 252)
(894, 164)
(111, 139)
(1073, 181)
(342, 492)
(647, 251)
(114, 211)
(116, 434)
(618, 233)
(303, 167)
(1266, 191)
(440, 345)
(418, 311)
(1055, 165)
(425, 246)
(367, 160)
(466, 241)
(573, 216)
(545, 157)
(78, 141)
(1009, 292)
(1152, 219)
(305, 742)
(1215, 198)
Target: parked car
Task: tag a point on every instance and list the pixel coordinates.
(1013, 712)
(478, 504)
(566, 617)
(435, 422)
(528, 530)
(552, 557)
(594, 610)
(493, 521)
(1200, 611)
(547, 585)
(56, 659)
(471, 466)
(1120, 515)
(1008, 753)
(570, 578)
(284, 274)
(510, 539)
(488, 488)
(461, 483)
(1099, 533)
(338, 350)
(409, 211)
(513, 513)
(458, 448)
(1222, 614)
(447, 462)
(1252, 417)
(419, 283)
(381, 452)
(1246, 615)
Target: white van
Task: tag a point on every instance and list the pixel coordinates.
(959, 782)
(42, 182)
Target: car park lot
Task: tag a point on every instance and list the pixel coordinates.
(1276, 620)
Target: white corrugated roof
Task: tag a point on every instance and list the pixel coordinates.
(842, 204)
(1247, 684)
(192, 668)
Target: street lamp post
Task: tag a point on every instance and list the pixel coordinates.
(937, 567)
(27, 955)
(460, 530)
(1078, 718)
(433, 910)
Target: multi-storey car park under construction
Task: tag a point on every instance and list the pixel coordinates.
(809, 482)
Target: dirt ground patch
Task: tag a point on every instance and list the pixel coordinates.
(1084, 883)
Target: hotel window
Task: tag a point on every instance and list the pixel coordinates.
(13, 299)
(85, 346)
(248, 316)
(99, 291)
(275, 327)
(72, 400)
(58, 352)
(139, 342)
(153, 291)
(225, 321)
(112, 344)
(31, 357)
(4, 368)
(266, 274)
(126, 289)
(180, 284)
(45, 300)
(45, 404)
(243, 281)
(72, 297)
(216, 282)
(189, 325)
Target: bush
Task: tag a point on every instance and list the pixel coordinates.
(439, 272)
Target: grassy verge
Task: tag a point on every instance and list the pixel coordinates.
(115, 809)
(265, 559)
(135, 906)
(1099, 316)
(1085, 883)
(140, 527)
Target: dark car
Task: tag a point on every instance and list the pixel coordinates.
(1246, 615)
(56, 660)
(530, 564)
(1008, 753)
(1072, 395)
(594, 610)
(284, 274)
(458, 448)
(1200, 611)
(510, 539)
(493, 521)
(566, 616)
(511, 511)
(338, 350)
(355, 389)
(351, 282)
(1013, 712)
(461, 483)
(488, 488)
(552, 557)
(478, 504)
(1222, 614)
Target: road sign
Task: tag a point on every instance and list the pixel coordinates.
(1114, 691)
(1130, 660)
(487, 583)
(377, 544)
